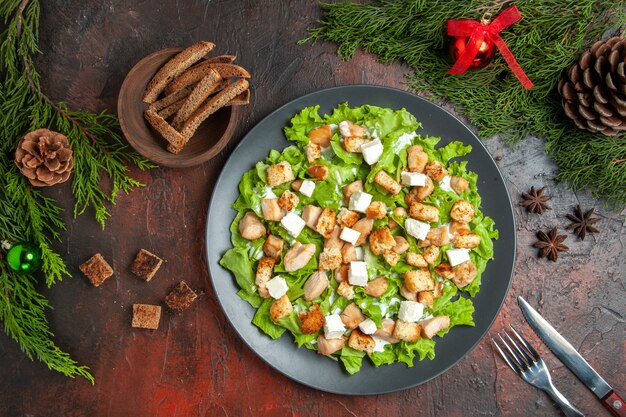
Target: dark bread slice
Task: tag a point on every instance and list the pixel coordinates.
(175, 139)
(242, 99)
(226, 59)
(181, 297)
(171, 109)
(203, 89)
(146, 264)
(96, 269)
(196, 73)
(174, 67)
(146, 316)
(170, 99)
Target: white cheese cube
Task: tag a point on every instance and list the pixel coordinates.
(410, 311)
(349, 235)
(333, 127)
(413, 179)
(360, 201)
(417, 229)
(359, 253)
(344, 129)
(333, 327)
(380, 344)
(457, 256)
(368, 326)
(293, 224)
(357, 274)
(277, 287)
(307, 188)
(444, 184)
(372, 151)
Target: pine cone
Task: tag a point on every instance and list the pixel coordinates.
(44, 157)
(594, 88)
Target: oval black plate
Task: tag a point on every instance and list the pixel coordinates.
(304, 365)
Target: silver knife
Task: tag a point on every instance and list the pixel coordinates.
(563, 350)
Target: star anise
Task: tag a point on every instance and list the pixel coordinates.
(535, 200)
(582, 223)
(550, 244)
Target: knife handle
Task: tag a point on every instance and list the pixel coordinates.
(615, 404)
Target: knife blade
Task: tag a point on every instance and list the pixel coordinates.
(566, 353)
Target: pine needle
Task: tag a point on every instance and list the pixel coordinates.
(547, 40)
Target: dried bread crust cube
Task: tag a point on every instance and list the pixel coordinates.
(96, 269)
(181, 297)
(145, 265)
(146, 316)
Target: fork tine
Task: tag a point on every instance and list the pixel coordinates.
(521, 351)
(506, 358)
(527, 345)
(519, 361)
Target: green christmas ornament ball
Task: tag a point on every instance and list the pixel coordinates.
(24, 257)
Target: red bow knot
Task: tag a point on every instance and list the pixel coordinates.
(477, 33)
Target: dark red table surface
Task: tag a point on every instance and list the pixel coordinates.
(195, 364)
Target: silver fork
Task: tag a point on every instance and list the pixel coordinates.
(527, 364)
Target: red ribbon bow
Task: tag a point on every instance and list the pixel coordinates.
(478, 32)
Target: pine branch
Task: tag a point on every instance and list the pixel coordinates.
(545, 41)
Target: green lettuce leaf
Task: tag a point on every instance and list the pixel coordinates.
(405, 351)
(307, 119)
(237, 261)
(264, 322)
(388, 356)
(352, 359)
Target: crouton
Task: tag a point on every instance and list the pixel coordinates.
(279, 173)
(354, 143)
(401, 245)
(330, 258)
(310, 215)
(344, 289)
(416, 158)
(467, 241)
(263, 274)
(444, 270)
(416, 259)
(464, 274)
(361, 341)
(363, 226)
(315, 285)
(387, 182)
(352, 316)
(348, 253)
(376, 287)
(352, 188)
(146, 316)
(462, 211)
(431, 254)
(250, 226)
(145, 265)
(391, 257)
(318, 171)
(459, 228)
(426, 297)
(326, 222)
(311, 321)
(321, 136)
(381, 240)
(418, 280)
(347, 218)
(433, 326)
(408, 332)
(329, 346)
(181, 297)
(280, 308)
(313, 152)
(458, 184)
(438, 291)
(96, 269)
(273, 246)
(296, 184)
(424, 212)
(288, 201)
(435, 170)
(376, 210)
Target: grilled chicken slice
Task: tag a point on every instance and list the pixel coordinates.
(298, 256)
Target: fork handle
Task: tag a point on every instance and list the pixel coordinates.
(568, 409)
